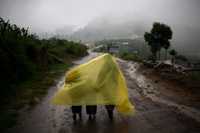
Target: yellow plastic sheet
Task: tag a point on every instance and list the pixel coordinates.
(97, 82)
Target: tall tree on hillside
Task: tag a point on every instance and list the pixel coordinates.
(166, 47)
(154, 48)
(173, 53)
(158, 38)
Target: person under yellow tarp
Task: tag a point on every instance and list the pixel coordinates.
(97, 82)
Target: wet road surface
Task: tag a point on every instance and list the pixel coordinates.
(153, 113)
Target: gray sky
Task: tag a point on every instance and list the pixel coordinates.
(48, 15)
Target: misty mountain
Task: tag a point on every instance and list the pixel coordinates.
(64, 32)
(186, 37)
(112, 28)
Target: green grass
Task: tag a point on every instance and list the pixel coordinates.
(29, 93)
(35, 88)
(130, 56)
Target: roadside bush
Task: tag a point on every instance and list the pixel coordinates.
(23, 54)
(130, 56)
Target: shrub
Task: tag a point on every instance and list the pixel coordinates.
(22, 54)
(130, 56)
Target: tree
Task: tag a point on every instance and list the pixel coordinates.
(158, 38)
(173, 53)
(149, 39)
(166, 47)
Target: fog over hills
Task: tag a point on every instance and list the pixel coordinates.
(91, 20)
(64, 32)
(185, 36)
(187, 39)
(112, 27)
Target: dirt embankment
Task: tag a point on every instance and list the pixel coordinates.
(174, 86)
(152, 84)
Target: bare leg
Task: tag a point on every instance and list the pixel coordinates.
(110, 114)
(94, 117)
(80, 116)
(74, 116)
(90, 117)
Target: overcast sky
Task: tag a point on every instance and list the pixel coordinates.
(48, 15)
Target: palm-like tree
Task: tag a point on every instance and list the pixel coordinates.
(158, 38)
(173, 53)
(166, 47)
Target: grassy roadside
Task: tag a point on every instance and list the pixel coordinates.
(130, 57)
(29, 66)
(29, 93)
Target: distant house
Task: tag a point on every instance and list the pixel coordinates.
(124, 43)
(126, 47)
(121, 46)
(118, 47)
(114, 49)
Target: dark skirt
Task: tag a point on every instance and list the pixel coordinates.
(76, 109)
(91, 109)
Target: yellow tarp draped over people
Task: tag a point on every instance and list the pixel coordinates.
(97, 82)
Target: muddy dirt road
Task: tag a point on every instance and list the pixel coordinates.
(154, 113)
